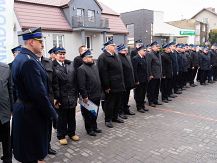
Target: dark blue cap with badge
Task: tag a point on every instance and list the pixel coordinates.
(18, 48)
(121, 47)
(166, 46)
(87, 54)
(32, 33)
(52, 50)
(180, 45)
(109, 42)
(154, 43)
(59, 50)
(140, 48)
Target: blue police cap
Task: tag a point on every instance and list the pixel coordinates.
(52, 50)
(18, 48)
(140, 48)
(166, 46)
(109, 42)
(154, 43)
(148, 46)
(180, 45)
(121, 47)
(32, 33)
(172, 43)
(59, 50)
(87, 54)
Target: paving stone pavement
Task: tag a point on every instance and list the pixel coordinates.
(182, 131)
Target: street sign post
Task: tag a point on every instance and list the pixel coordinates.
(187, 33)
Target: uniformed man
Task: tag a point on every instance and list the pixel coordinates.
(33, 109)
(195, 64)
(141, 79)
(129, 80)
(90, 89)
(6, 102)
(213, 55)
(78, 61)
(134, 52)
(52, 55)
(154, 67)
(112, 80)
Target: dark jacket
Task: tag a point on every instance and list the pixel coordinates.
(65, 89)
(186, 63)
(174, 58)
(78, 61)
(154, 65)
(48, 65)
(195, 59)
(89, 81)
(133, 53)
(111, 72)
(128, 71)
(213, 55)
(140, 69)
(33, 110)
(204, 61)
(167, 68)
(6, 93)
(180, 62)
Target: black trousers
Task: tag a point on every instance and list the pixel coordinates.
(203, 76)
(139, 95)
(198, 74)
(153, 90)
(194, 72)
(124, 101)
(89, 119)
(112, 105)
(175, 84)
(165, 87)
(66, 124)
(5, 138)
(214, 68)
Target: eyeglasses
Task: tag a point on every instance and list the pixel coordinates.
(40, 41)
(61, 53)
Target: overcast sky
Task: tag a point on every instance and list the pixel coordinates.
(173, 9)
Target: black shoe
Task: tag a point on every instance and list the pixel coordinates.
(158, 103)
(91, 133)
(109, 124)
(98, 130)
(145, 109)
(141, 110)
(168, 99)
(129, 113)
(118, 120)
(51, 151)
(123, 116)
(178, 92)
(152, 105)
(165, 101)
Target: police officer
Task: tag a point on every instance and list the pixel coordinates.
(33, 109)
(195, 64)
(6, 102)
(78, 61)
(129, 80)
(52, 55)
(154, 67)
(65, 95)
(90, 89)
(112, 80)
(141, 79)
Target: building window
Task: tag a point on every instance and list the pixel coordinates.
(91, 15)
(130, 28)
(58, 40)
(109, 37)
(80, 12)
(88, 42)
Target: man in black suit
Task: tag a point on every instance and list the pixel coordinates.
(112, 80)
(129, 80)
(141, 79)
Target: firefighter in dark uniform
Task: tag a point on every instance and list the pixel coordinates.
(129, 80)
(33, 109)
(195, 64)
(154, 67)
(134, 52)
(167, 70)
(141, 79)
(112, 80)
(90, 89)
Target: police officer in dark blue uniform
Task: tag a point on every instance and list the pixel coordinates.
(33, 109)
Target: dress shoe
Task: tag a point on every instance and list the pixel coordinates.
(118, 120)
(129, 112)
(91, 133)
(158, 103)
(152, 105)
(122, 116)
(63, 141)
(168, 99)
(172, 96)
(109, 124)
(98, 130)
(178, 92)
(141, 110)
(75, 138)
(51, 151)
(145, 109)
(165, 101)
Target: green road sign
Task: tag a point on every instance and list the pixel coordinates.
(187, 33)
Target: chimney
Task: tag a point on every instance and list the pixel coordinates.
(211, 9)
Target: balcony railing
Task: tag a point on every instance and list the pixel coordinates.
(89, 22)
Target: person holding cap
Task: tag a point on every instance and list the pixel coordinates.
(112, 80)
(90, 89)
(33, 109)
